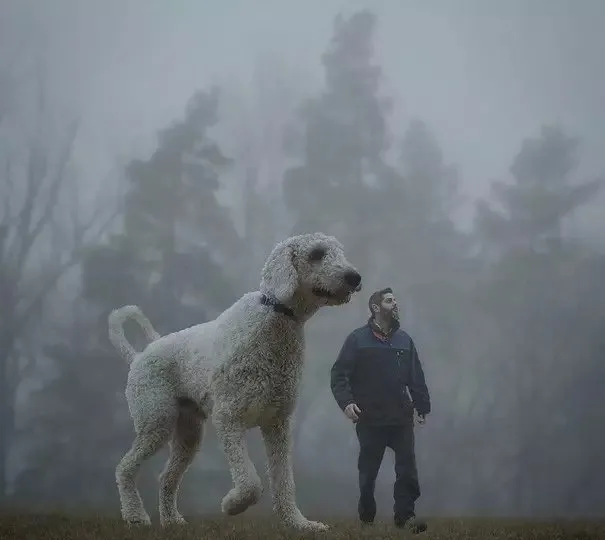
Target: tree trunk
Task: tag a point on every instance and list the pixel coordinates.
(4, 436)
(6, 419)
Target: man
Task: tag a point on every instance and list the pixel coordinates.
(368, 380)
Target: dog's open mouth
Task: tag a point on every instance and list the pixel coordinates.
(323, 293)
(338, 295)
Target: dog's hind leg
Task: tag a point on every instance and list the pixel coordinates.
(154, 425)
(184, 445)
(247, 486)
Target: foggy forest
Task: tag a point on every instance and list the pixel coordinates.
(154, 153)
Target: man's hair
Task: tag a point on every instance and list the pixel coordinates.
(376, 297)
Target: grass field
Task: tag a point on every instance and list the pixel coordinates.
(64, 527)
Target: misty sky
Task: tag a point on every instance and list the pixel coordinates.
(482, 73)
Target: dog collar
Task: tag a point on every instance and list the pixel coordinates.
(278, 307)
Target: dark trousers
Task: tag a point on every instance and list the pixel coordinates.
(373, 441)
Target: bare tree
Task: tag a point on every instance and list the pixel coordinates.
(45, 227)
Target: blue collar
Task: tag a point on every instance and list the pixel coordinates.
(278, 307)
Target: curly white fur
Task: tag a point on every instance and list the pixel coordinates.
(242, 370)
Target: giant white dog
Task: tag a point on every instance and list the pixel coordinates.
(241, 370)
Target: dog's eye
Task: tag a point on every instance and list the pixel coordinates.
(317, 254)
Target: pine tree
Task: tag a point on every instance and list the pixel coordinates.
(341, 142)
(528, 293)
(540, 198)
(173, 219)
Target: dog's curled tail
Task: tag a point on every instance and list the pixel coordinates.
(116, 320)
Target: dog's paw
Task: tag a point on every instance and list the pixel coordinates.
(134, 521)
(173, 520)
(236, 501)
(305, 525)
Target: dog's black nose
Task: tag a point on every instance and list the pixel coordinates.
(352, 278)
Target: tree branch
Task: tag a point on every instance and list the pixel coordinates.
(79, 248)
(28, 233)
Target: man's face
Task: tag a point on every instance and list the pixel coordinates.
(388, 307)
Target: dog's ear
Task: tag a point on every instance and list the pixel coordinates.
(279, 277)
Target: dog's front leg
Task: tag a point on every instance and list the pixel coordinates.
(278, 443)
(247, 487)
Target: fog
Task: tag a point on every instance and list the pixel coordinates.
(476, 195)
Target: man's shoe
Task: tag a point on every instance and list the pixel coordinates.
(412, 524)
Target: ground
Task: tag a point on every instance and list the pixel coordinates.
(64, 527)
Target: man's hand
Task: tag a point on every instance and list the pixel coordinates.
(420, 419)
(352, 410)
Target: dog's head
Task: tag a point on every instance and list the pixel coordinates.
(310, 271)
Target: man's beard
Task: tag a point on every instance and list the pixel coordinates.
(390, 315)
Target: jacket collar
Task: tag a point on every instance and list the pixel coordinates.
(378, 332)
